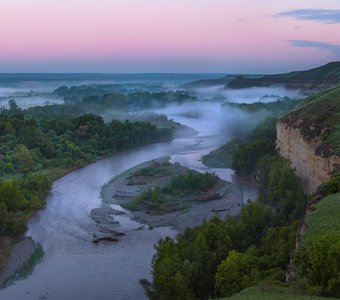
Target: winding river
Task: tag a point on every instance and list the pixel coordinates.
(75, 268)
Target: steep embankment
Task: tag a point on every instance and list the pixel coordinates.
(316, 79)
(310, 138)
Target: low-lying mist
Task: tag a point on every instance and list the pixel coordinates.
(208, 116)
(247, 95)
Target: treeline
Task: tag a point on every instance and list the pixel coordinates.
(222, 257)
(35, 151)
(30, 145)
(192, 182)
(106, 96)
(276, 108)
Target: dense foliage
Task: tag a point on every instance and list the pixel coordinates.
(30, 145)
(222, 257)
(190, 182)
(276, 108)
(34, 151)
(110, 98)
(18, 199)
(172, 196)
(318, 262)
(261, 144)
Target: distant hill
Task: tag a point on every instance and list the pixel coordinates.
(222, 81)
(316, 79)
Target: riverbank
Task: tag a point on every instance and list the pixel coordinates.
(120, 191)
(21, 249)
(18, 254)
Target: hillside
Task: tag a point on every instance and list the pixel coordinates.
(202, 83)
(310, 137)
(325, 218)
(315, 79)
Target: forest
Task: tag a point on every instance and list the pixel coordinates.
(36, 150)
(113, 97)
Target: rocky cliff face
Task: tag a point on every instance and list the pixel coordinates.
(312, 168)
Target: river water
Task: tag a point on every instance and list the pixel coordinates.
(75, 268)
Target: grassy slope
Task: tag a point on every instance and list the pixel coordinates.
(325, 218)
(272, 293)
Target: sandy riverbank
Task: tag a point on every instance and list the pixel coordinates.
(229, 204)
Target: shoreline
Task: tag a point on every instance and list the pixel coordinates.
(25, 249)
(229, 204)
(19, 253)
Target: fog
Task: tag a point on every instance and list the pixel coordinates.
(205, 115)
(248, 95)
(208, 116)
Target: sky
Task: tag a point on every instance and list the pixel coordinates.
(216, 36)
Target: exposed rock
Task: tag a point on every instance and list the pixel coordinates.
(313, 169)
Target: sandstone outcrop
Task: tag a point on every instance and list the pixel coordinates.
(312, 168)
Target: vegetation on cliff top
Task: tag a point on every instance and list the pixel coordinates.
(318, 117)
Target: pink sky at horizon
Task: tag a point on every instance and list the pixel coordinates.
(162, 36)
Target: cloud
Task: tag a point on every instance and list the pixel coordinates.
(334, 48)
(327, 16)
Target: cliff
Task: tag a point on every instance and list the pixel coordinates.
(310, 138)
(316, 79)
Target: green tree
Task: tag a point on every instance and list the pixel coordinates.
(235, 273)
(23, 159)
(318, 260)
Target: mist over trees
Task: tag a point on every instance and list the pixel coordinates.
(34, 151)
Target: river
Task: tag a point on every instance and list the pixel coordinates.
(75, 268)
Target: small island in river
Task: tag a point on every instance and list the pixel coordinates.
(160, 193)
